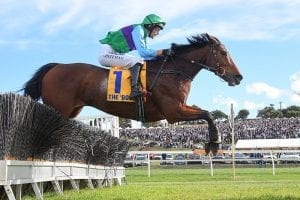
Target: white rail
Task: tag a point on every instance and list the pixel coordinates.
(13, 172)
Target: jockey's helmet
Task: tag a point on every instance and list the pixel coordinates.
(152, 20)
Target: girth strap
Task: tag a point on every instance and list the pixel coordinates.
(140, 112)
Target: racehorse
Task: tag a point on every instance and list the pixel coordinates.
(70, 87)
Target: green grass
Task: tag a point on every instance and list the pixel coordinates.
(197, 183)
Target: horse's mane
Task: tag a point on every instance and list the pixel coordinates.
(199, 41)
(196, 41)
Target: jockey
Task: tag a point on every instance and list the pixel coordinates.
(133, 37)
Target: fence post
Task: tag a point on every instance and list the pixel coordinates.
(211, 165)
(149, 172)
(273, 165)
(231, 124)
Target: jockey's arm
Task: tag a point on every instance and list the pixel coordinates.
(140, 45)
(159, 52)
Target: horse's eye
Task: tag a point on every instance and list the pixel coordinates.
(224, 53)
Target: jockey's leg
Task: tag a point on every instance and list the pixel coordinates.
(109, 57)
(135, 72)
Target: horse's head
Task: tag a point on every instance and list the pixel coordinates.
(208, 52)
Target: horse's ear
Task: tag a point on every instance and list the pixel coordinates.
(174, 46)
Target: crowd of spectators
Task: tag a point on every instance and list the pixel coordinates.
(188, 135)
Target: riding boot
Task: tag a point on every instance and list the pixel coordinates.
(135, 72)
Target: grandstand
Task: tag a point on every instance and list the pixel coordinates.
(107, 123)
(188, 136)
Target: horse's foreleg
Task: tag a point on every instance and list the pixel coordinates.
(189, 113)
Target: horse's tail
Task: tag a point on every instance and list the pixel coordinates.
(33, 87)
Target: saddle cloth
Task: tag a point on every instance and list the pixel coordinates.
(119, 83)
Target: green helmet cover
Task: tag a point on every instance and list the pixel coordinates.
(153, 19)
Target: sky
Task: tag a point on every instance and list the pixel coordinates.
(263, 38)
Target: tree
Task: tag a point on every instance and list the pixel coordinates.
(269, 112)
(243, 114)
(291, 111)
(218, 114)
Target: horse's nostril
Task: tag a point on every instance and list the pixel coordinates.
(239, 77)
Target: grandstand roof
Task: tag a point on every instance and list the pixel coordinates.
(268, 143)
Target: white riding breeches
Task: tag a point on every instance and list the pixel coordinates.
(109, 57)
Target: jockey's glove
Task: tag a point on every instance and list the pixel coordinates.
(167, 52)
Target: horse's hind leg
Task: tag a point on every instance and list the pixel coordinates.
(75, 112)
(70, 111)
(64, 107)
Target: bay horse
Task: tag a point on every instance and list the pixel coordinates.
(70, 87)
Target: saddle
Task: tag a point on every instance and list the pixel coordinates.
(119, 84)
(119, 88)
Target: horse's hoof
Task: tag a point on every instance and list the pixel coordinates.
(213, 147)
(207, 148)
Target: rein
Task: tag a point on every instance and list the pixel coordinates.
(158, 73)
(161, 71)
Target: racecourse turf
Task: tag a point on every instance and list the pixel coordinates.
(196, 182)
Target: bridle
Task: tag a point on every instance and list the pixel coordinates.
(218, 69)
